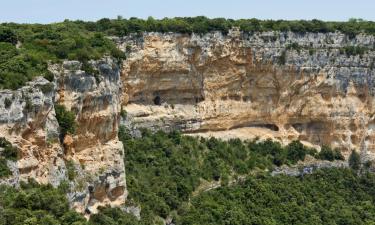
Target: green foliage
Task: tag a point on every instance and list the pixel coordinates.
(164, 169)
(113, 216)
(326, 153)
(353, 50)
(282, 58)
(7, 103)
(28, 105)
(4, 169)
(66, 120)
(8, 35)
(36, 204)
(201, 24)
(79, 40)
(9, 152)
(43, 43)
(123, 113)
(70, 167)
(334, 196)
(354, 160)
(294, 46)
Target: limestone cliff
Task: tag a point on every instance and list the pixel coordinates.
(279, 85)
(93, 154)
(272, 84)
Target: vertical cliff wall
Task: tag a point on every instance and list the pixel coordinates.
(91, 159)
(314, 87)
(318, 88)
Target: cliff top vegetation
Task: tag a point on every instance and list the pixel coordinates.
(26, 49)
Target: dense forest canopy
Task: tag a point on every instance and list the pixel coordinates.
(26, 49)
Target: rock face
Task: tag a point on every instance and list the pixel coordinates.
(284, 86)
(94, 155)
(281, 85)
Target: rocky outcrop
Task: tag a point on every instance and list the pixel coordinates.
(93, 154)
(278, 85)
(282, 85)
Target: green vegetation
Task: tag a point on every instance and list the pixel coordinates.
(331, 196)
(66, 120)
(36, 204)
(294, 46)
(202, 24)
(8, 152)
(164, 170)
(7, 103)
(354, 160)
(353, 50)
(40, 44)
(171, 175)
(282, 58)
(326, 153)
(26, 49)
(334, 196)
(71, 170)
(4, 169)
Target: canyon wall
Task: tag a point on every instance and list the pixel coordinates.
(90, 161)
(313, 87)
(279, 85)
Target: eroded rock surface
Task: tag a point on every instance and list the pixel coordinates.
(93, 154)
(286, 85)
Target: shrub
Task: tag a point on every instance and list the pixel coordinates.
(326, 153)
(66, 120)
(354, 160)
(8, 35)
(294, 46)
(71, 169)
(28, 105)
(282, 58)
(4, 169)
(353, 50)
(123, 113)
(9, 152)
(7, 103)
(296, 151)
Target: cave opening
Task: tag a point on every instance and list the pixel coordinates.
(157, 100)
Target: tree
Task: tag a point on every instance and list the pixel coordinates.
(354, 160)
(7, 35)
(326, 153)
(66, 120)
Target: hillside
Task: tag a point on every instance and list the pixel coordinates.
(164, 118)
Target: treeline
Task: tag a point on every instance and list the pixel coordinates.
(203, 25)
(26, 49)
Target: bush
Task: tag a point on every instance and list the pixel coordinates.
(7, 103)
(353, 50)
(282, 58)
(326, 153)
(4, 169)
(9, 152)
(296, 151)
(36, 204)
(354, 160)
(8, 35)
(71, 169)
(66, 120)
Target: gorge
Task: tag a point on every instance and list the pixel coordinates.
(314, 87)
